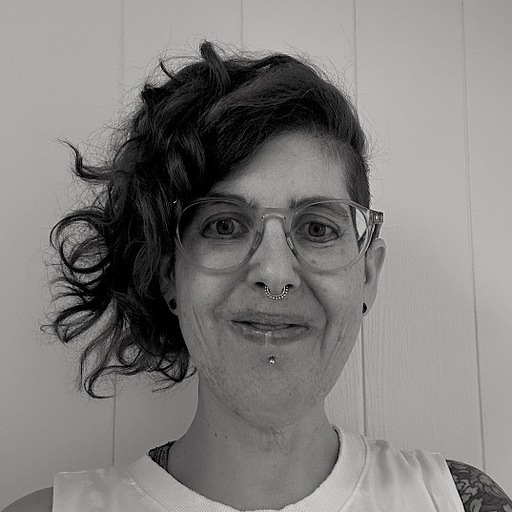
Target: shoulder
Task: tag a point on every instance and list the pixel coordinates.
(39, 501)
(477, 490)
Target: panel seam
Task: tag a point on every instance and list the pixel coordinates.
(242, 24)
(470, 227)
(356, 86)
(120, 102)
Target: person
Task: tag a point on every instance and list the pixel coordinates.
(232, 237)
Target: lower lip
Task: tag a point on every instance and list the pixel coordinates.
(282, 336)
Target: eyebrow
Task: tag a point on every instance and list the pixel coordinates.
(294, 202)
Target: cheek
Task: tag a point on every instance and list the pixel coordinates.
(344, 297)
(199, 297)
(343, 306)
(192, 299)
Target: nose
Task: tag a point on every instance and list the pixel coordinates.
(273, 263)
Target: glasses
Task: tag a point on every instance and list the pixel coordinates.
(221, 234)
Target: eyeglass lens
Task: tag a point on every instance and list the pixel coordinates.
(219, 234)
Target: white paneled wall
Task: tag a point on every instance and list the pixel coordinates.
(59, 68)
(488, 43)
(420, 341)
(431, 368)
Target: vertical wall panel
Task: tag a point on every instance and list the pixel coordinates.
(167, 29)
(489, 82)
(323, 32)
(173, 28)
(59, 71)
(422, 388)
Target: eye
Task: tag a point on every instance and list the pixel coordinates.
(224, 227)
(315, 228)
(318, 231)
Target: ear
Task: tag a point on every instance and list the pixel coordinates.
(167, 281)
(374, 260)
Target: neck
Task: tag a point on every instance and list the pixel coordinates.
(247, 466)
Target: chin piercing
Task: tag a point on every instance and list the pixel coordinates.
(276, 297)
(271, 360)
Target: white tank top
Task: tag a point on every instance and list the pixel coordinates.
(369, 475)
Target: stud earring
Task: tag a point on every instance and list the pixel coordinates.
(172, 304)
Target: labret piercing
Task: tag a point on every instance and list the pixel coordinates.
(271, 359)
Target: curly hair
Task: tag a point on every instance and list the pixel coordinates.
(185, 135)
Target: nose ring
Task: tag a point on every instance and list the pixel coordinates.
(276, 297)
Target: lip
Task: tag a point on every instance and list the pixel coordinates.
(281, 334)
(271, 319)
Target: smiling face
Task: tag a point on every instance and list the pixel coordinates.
(231, 358)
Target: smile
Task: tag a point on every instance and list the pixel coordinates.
(281, 334)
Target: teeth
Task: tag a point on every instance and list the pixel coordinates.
(268, 327)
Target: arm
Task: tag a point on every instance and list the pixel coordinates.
(39, 501)
(478, 491)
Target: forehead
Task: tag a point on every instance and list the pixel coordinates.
(285, 170)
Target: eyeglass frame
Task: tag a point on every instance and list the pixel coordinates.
(374, 220)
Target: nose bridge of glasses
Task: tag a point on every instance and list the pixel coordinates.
(282, 216)
(279, 213)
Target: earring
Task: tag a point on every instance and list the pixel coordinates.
(364, 308)
(172, 304)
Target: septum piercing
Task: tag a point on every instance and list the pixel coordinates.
(276, 297)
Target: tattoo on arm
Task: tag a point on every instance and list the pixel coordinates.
(478, 491)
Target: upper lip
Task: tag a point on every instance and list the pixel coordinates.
(258, 317)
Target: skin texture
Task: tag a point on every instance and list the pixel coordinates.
(261, 430)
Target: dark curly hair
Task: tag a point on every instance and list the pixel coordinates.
(187, 134)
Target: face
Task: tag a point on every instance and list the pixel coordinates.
(233, 363)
